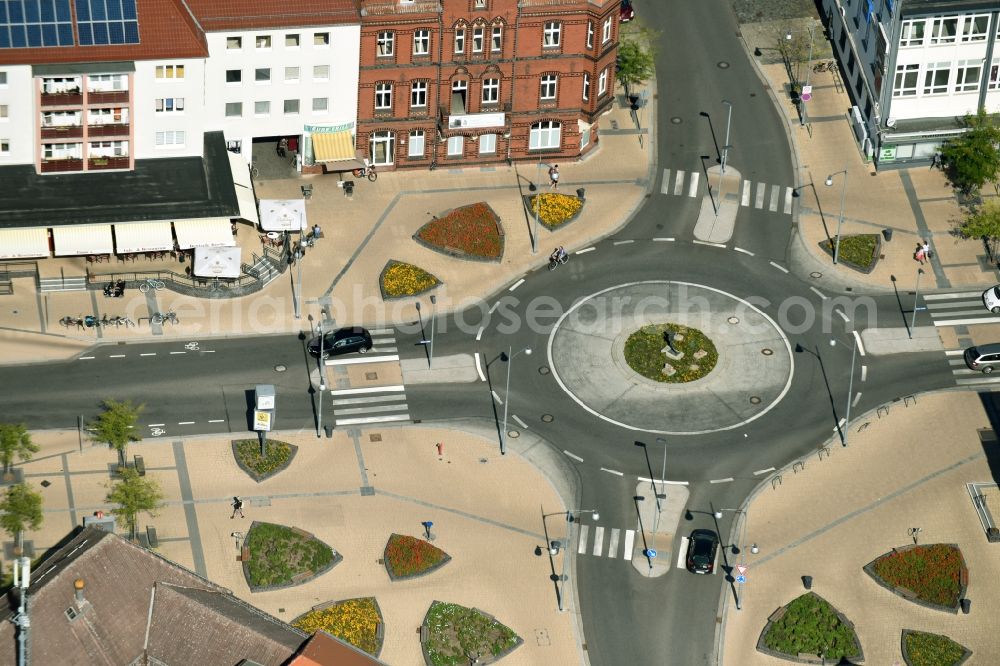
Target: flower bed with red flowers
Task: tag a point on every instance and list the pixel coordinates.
(933, 575)
(469, 232)
(406, 557)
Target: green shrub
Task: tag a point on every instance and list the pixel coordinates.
(810, 625)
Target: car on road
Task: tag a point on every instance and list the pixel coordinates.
(342, 341)
(627, 13)
(991, 299)
(703, 545)
(984, 358)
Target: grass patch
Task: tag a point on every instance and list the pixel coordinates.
(857, 250)
(278, 554)
(458, 634)
(400, 279)
(353, 620)
(473, 230)
(248, 453)
(933, 573)
(409, 556)
(810, 625)
(644, 353)
(923, 649)
(555, 209)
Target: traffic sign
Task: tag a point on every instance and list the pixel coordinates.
(806, 93)
(650, 553)
(741, 568)
(741, 579)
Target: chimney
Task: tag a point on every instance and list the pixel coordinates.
(78, 586)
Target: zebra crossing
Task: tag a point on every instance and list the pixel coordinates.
(756, 194)
(963, 375)
(959, 309)
(626, 538)
(370, 404)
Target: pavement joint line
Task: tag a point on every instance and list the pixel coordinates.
(873, 505)
(70, 502)
(710, 244)
(573, 456)
(479, 368)
(585, 250)
(190, 515)
(623, 242)
(726, 480)
(519, 421)
(856, 399)
(496, 397)
(763, 471)
(739, 249)
(464, 514)
(479, 333)
(779, 267)
(612, 471)
(864, 373)
(857, 339)
(516, 285)
(364, 242)
(842, 314)
(356, 438)
(664, 240)
(818, 293)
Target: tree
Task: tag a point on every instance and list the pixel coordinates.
(972, 158)
(793, 43)
(15, 442)
(22, 509)
(984, 222)
(635, 63)
(133, 494)
(115, 426)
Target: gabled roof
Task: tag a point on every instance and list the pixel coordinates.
(217, 15)
(326, 650)
(167, 30)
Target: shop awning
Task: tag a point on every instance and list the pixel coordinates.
(83, 239)
(209, 232)
(143, 237)
(23, 243)
(222, 262)
(333, 146)
(282, 214)
(248, 205)
(240, 169)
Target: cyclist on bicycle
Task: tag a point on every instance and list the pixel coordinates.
(558, 255)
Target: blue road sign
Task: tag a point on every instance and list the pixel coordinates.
(741, 579)
(650, 553)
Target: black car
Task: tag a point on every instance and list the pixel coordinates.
(343, 341)
(702, 547)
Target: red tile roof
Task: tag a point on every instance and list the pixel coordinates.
(326, 650)
(166, 30)
(216, 15)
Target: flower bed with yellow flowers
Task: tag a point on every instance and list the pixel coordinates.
(356, 621)
(402, 280)
(407, 557)
(470, 232)
(554, 210)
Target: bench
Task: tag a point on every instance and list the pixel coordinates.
(140, 466)
(154, 542)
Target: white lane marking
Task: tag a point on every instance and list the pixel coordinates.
(693, 188)
(494, 307)
(665, 185)
(739, 249)
(624, 242)
(585, 250)
(761, 191)
(184, 352)
(372, 410)
(960, 322)
(840, 424)
(613, 542)
(701, 242)
(773, 205)
(745, 196)
(763, 471)
(965, 371)
(479, 368)
(664, 240)
(217, 420)
(363, 359)
(843, 316)
(156, 425)
(479, 333)
(676, 483)
(373, 419)
(788, 200)
(964, 294)
(496, 397)
(573, 456)
(367, 401)
(818, 293)
(977, 381)
(185, 423)
(857, 339)
(85, 358)
(598, 540)
(581, 546)
(726, 480)
(148, 354)
(864, 373)
(629, 540)
(516, 285)
(382, 331)
(370, 389)
(678, 183)
(954, 352)
(207, 351)
(116, 355)
(779, 267)
(856, 399)
(715, 564)
(519, 421)
(612, 471)
(681, 552)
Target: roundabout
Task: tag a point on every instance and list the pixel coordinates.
(753, 372)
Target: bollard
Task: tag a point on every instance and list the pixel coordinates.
(329, 431)
(440, 448)
(966, 605)
(807, 582)
(887, 235)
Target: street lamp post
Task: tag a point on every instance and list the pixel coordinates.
(812, 40)
(652, 483)
(916, 295)
(299, 253)
(663, 480)
(555, 546)
(430, 360)
(738, 550)
(508, 358)
(650, 554)
(322, 374)
(840, 221)
(726, 147)
(850, 390)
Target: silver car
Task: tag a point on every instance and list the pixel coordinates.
(984, 358)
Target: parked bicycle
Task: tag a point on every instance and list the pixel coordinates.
(825, 66)
(68, 321)
(163, 317)
(254, 171)
(367, 171)
(148, 283)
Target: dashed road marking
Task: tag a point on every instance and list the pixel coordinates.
(623, 242)
(857, 339)
(678, 183)
(573, 456)
(682, 552)
(779, 267)
(939, 297)
(85, 358)
(613, 542)
(818, 293)
(148, 354)
(665, 185)
(516, 285)
(763, 471)
(788, 200)
(864, 373)
(156, 425)
(116, 355)
(612, 471)
(726, 480)
(598, 539)
(843, 316)
(629, 540)
(761, 191)
(739, 249)
(385, 358)
(172, 353)
(373, 419)
(663, 240)
(479, 333)
(745, 197)
(856, 399)
(701, 242)
(370, 389)
(496, 397)
(773, 205)
(217, 420)
(185, 423)
(581, 547)
(479, 368)
(519, 421)
(693, 188)
(962, 322)
(585, 250)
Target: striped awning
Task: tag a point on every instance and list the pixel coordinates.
(209, 232)
(333, 146)
(83, 239)
(143, 237)
(240, 169)
(24, 243)
(248, 206)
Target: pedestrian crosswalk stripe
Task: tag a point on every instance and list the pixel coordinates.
(961, 322)
(788, 200)
(745, 198)
(371, 410)
(613, 542)
(665, 185)
(361, 401)
(629, 539)
(373, 419)
(369, 389)
(681, 552)
(980, 380)
(354, 360)
(953, 313)
(678, 183)
(582, 546)
(964, 294)
(775, 191)
(382, 331)
(598, 539)
(761, 191)
(693, 189)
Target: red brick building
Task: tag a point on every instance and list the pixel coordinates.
(483, 81)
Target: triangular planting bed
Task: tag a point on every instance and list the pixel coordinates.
(410, 557)
(469, 232)
(357, 621)
(554, 209)
(921, 648)
(932, 575)
(454, 635)
(277, 556)
(809, 629)
(402, 280)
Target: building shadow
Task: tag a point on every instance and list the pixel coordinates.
(991, 439)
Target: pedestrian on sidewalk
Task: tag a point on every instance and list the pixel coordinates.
(554, 176)
(237, 508)
(936, 160)
(923, 250)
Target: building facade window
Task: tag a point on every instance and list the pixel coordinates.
(602, 82)
(545, 134)
(4, 112)
(967, 75)
(234, 43)
(975, 28)
(994, 82)
(383, 96)
(60, 118)
(385, 44)
(108, 149)
(418, 94)
(113, 116)
(321, 39)
(496, 42)
(491, 91)
(291, 74)
(586, 86)
(416, 145)
(321, 72)
(422, 42)
(4, 146)
(487, 144)
(383, 148)
(456, 144)
(106, 82)
(321, 104)
(234, 109)
(549, 83)
(912, 33)
(944, 30)
(62, 151)
(291, 107)
(606, 32)
(292, 41)
(169, 72)
(262, 75)
(590, 34)
(477, 39)
(936, 78)
(3, 79)
(459, 40)
(905, 83)
(551, 34)
(262, 108)
(262, 42)
(234, 75)
(169, 104)
(170, 138)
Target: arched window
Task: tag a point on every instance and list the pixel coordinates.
(545, 134)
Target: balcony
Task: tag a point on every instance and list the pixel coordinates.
(108, 130)
(60, 165)
(102, 163)
(461, 121)
(62, 99)
(59, 133)
(107, 97)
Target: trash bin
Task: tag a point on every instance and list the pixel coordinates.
(329, 431)
(887, 235)
(807, 581)
(966, 605)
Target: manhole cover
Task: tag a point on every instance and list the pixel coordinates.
(513, 434)
(723, 65)
(676, 120)
(280, 368)
(733, 320)
(371, 376)
(544, 370)
(815, 275)
(754, 400)
(547, 418)
(766, 352)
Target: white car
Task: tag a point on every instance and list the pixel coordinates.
(991, 299)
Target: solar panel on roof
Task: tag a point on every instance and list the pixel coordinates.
(35, 23)
(106, 22)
